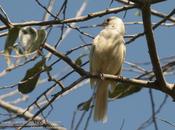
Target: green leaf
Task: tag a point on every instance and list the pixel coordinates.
(10, 41)
(124, 89)
(84, 106)
(39, 41)
(28, 83)
(27, 36)
(78, 61)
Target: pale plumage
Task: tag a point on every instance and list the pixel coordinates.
(107, 56)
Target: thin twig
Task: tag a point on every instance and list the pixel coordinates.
(48, 9)
(88, 118)
(65, 58)
(122, 125)
(80, 120)
(72, 20)
(4, 19)
(59, 94)
(153, 109)
(27, 115)
(149, 121)
(73, 120)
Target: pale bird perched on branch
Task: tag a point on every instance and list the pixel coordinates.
(107, 56)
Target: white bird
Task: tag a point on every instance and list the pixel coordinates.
(106, 56)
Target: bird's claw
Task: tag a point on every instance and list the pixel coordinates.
(102, 76)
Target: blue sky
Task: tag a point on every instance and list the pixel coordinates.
(133, 110)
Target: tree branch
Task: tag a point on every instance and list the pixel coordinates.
(146, 16)
(140, 2)
(57, 95)
(27, 116)
(71, 20)
(153, 11)
(162, 15)
(65, 58)
(167, 88)
(5, 21)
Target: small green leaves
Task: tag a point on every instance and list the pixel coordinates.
(39, 41)
(31, 39)
(84, 106)
(28, 83)
(123, 90)
(27, 36)
(78, 61)
(10, 41)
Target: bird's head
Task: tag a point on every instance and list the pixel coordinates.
(114, 23)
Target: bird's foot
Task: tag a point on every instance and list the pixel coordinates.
(102, 76)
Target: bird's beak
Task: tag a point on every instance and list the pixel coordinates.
(102, 24)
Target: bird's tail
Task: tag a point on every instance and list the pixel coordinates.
(101, 96)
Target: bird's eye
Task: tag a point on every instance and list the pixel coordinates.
(107, 20)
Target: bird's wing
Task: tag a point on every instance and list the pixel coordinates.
(114, 84)
(91, 57)
(123, 58)
(91, 63)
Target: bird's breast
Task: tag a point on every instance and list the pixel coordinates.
(106, 59)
